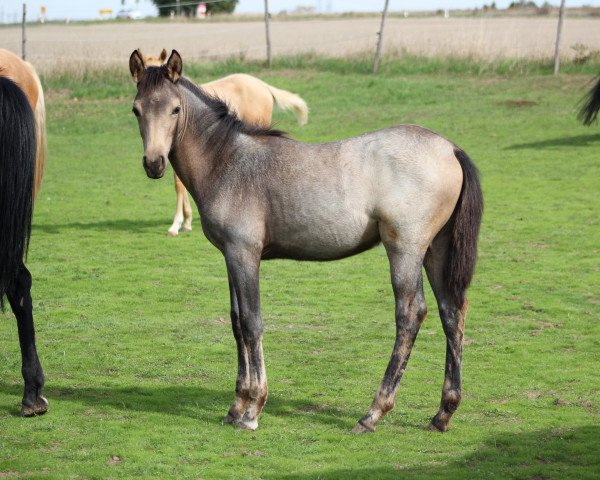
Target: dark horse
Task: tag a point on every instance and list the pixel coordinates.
(17, 178)
(262, 195)
(591, 105)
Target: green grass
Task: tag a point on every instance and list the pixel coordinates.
(136, 344)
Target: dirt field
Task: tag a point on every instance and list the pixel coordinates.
(54, 46)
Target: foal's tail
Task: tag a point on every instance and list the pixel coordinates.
(17, 170)
(462, 253)
(589, 111)
(285, 100)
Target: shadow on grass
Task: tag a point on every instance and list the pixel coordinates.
(573, 141)
(544, 454)
(124, 225)
(191, 401)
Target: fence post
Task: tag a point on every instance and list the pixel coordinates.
(269, 58)
(380, 40)
(24, 33)
(561, 14)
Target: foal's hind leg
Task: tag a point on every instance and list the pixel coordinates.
(452, 316)
(407, 282)
(19, 297)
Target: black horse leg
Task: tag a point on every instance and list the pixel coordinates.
(19, 297)
(407, 282)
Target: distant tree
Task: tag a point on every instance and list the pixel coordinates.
(166, 6)
(522, 4)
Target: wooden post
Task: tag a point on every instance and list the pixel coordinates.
(561, 14)
(24, 33)
(269, 57)
(380, 40)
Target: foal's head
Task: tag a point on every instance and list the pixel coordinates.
(157, 107)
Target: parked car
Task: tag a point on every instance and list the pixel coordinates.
(130, 14)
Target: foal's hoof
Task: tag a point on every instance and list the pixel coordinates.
(437, 425)
(230, 420)
(363, 427)
(246, 424)
(186, 228)
(38, 407)
(172, 233)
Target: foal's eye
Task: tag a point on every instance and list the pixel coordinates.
(135, 111)
(176, 110)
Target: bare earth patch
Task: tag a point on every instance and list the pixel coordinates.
(72, 47)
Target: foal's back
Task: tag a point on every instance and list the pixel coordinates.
(332, 200)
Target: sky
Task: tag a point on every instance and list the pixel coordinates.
(10, 10)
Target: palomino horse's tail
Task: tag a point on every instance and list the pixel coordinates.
(460, 263)
(17, 170)
(589, 111)
(41, 146)
(290, 101)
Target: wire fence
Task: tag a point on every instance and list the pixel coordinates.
(55, 46)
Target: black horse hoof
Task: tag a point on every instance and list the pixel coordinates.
(38, 407)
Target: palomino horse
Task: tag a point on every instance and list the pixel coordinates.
(252, 100)
(261, 195)
(22, 155)
(591, 105)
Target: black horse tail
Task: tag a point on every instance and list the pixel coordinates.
(17, 169)
(591, 105)
(462, 253)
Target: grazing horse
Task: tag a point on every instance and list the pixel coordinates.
(261, 195)
(22, 155)
(591, 105)
(252, 100)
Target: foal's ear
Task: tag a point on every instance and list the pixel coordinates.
(163, 56)
(174, 66)
(137, 66)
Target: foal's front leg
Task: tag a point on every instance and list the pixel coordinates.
(19, 297)
(251, 385)
(242, 385)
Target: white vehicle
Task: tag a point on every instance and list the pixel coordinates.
(130, 14)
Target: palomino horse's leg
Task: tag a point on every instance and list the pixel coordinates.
(19, 298)
(242, 268)
(183, 207)
(453, 322)
(407, 282)
(187, 211)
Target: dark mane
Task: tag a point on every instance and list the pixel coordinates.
(152, 78)
(228, 120)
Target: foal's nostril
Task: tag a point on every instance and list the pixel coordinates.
(145, 161)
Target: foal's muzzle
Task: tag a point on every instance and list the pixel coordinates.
(155, 168)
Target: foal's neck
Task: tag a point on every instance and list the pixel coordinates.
(205, 146)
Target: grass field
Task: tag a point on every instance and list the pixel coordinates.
(133, 328)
